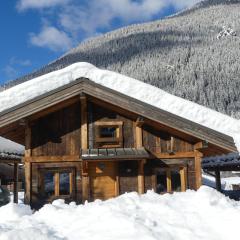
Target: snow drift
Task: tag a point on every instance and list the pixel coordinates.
(125, 85)
(205, 214)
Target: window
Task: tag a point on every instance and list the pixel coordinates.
(49, 184)
(108, 134)
(64, 183)
(175, 181)
(161, 181)
(170, 179)
(56, 182)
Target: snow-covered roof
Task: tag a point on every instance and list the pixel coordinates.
(127, 86)
(10, 150)
(228, 160)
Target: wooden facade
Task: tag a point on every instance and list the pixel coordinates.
(56, 135)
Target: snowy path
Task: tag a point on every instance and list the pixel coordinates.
(205, 214)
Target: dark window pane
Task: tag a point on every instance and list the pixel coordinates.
(64, 183)
(49, 183)
(161, 182)
(176, 181)
(108, 132)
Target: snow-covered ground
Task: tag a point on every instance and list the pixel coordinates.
(20, 197)
(205, 214)
(125, 85)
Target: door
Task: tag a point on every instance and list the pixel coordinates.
(103, 183)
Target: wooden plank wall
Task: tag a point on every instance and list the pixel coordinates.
(162, 142)
(57, 133)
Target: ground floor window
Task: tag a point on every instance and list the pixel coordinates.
(170, 179)
(56, 182)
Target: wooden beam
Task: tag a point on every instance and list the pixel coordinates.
(15, 187)
(57, 184)
(139, 141)
(117, 182)
(174, 155)
(218, 180)
(169, 181)
(141, 177)
(154, 182)
(39, 159)
(84, 146)
(84, 122)
(198, 168)
(27, 165)
(201, 145)
(139, 121)
(183, 176)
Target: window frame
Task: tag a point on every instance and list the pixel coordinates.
(183, 177)
(56, 172)
(104, 142)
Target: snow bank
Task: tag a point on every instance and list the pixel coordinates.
(128, 86)
(7, 146)
(205, 214)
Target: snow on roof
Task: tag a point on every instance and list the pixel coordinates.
(125, 85)
(10, 149)
(231, 159)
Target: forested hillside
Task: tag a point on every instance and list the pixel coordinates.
(194, 55)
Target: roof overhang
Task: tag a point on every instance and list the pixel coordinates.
(105, 94)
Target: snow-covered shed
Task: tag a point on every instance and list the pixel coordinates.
(90, 133)
(223, 163)
(11, 155)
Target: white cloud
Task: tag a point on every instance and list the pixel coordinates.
(38, 4)
(78, 19)
(181, 4)
(52, 38)
(101, 13)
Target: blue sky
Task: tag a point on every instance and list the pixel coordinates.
(36, 32)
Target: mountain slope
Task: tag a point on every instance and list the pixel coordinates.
(194, 55)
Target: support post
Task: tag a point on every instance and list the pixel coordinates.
(139, 134)
(139, 144)
(27, 165)
(84, 146)
(198, 168)
(218, 180)
(15, 187)
(141, 177)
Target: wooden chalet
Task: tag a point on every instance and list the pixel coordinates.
(84, 141)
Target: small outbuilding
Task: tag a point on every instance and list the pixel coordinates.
(223, 163)
(11, 167)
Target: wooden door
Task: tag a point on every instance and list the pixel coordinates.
(103, 183)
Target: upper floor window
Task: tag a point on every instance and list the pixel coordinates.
(108, 134)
